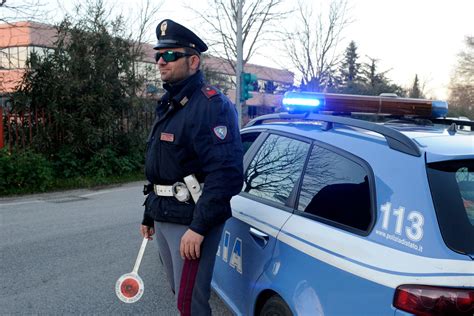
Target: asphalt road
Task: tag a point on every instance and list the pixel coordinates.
(62, 253)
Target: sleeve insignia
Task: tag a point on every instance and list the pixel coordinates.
(220, 132)
(209, 91)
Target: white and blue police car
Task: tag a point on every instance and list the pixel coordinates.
(352, 205)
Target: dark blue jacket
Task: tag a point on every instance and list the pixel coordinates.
(195, 132)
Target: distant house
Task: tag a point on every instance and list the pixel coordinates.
(18, 40)
(272, 83)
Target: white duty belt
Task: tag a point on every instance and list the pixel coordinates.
(181, 191)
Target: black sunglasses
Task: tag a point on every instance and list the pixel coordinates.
(169, 56)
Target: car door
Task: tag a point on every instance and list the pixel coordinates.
(272, 171)
(334, 211)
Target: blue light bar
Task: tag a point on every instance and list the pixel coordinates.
(304, 102)
(302, 99)
(439, 109)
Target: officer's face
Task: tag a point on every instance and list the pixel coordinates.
(180, 69)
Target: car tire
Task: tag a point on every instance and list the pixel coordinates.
(275, 306)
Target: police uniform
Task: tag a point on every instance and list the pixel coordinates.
(195, 132)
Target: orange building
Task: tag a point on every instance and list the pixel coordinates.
(18, 40)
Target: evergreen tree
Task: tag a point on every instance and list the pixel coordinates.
(376, 82)
(350, 69)
(86, 87)
(415, 91)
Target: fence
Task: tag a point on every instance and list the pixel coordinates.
(19, 128)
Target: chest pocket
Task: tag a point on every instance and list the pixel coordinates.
(173, 155)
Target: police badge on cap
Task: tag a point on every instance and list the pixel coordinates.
(173, 35)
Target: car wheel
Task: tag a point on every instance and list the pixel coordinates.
(275, 306)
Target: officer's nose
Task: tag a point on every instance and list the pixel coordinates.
(161, 61)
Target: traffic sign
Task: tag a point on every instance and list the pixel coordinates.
(129, 287)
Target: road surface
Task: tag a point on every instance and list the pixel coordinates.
(62, 253)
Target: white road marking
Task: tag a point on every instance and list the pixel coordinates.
(104, 192)
(20, 203)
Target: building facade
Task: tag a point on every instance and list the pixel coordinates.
(18, 40)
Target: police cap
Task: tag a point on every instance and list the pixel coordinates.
(173, 35)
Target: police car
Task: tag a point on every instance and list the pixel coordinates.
(352, 205)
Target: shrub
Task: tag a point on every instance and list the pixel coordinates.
(24, 171)
(107, 162)
(66, 164)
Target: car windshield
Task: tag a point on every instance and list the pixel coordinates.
(452, 188)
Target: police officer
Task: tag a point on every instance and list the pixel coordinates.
(195, 136)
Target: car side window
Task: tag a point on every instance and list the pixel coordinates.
(336, 188)
(276, 168)
(248, 139)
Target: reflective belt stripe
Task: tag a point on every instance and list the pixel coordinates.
(166, 190)
(163, 190)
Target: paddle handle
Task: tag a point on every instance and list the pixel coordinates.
(140, 256)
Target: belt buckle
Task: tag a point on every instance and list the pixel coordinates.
(181, 192)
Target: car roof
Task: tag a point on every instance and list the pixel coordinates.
(411, 126)
(438, 141)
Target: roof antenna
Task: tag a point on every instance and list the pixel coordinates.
(452, 129)
(326, 126)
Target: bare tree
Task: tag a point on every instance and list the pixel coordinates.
(462, 83)
(137, 24)
(312, 44)
(12, 11)
(259, 18)
(143, 20)
(146, 15)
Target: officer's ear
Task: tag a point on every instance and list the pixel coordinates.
(195, 62)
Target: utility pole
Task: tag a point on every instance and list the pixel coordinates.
(239, 68)
(1, 126)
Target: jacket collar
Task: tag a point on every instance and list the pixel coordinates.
(182, 91)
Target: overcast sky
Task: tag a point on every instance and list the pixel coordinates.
(408, 37)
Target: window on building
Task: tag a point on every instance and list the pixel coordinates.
(282, 87)
(337, 189)
(4, 59)
(254, 111)
(13, 57)
(147, 70)
(22, 56)
(276, 168)
(41, 52)
(255, 86)
(150, 73)
(269, 86)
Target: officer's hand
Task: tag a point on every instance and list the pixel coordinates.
(147, 232)
(190, 247)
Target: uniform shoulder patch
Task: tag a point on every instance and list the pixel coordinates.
(209, 91)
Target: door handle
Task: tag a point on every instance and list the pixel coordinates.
(261, 236)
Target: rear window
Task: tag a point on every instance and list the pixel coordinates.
(452, 188)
